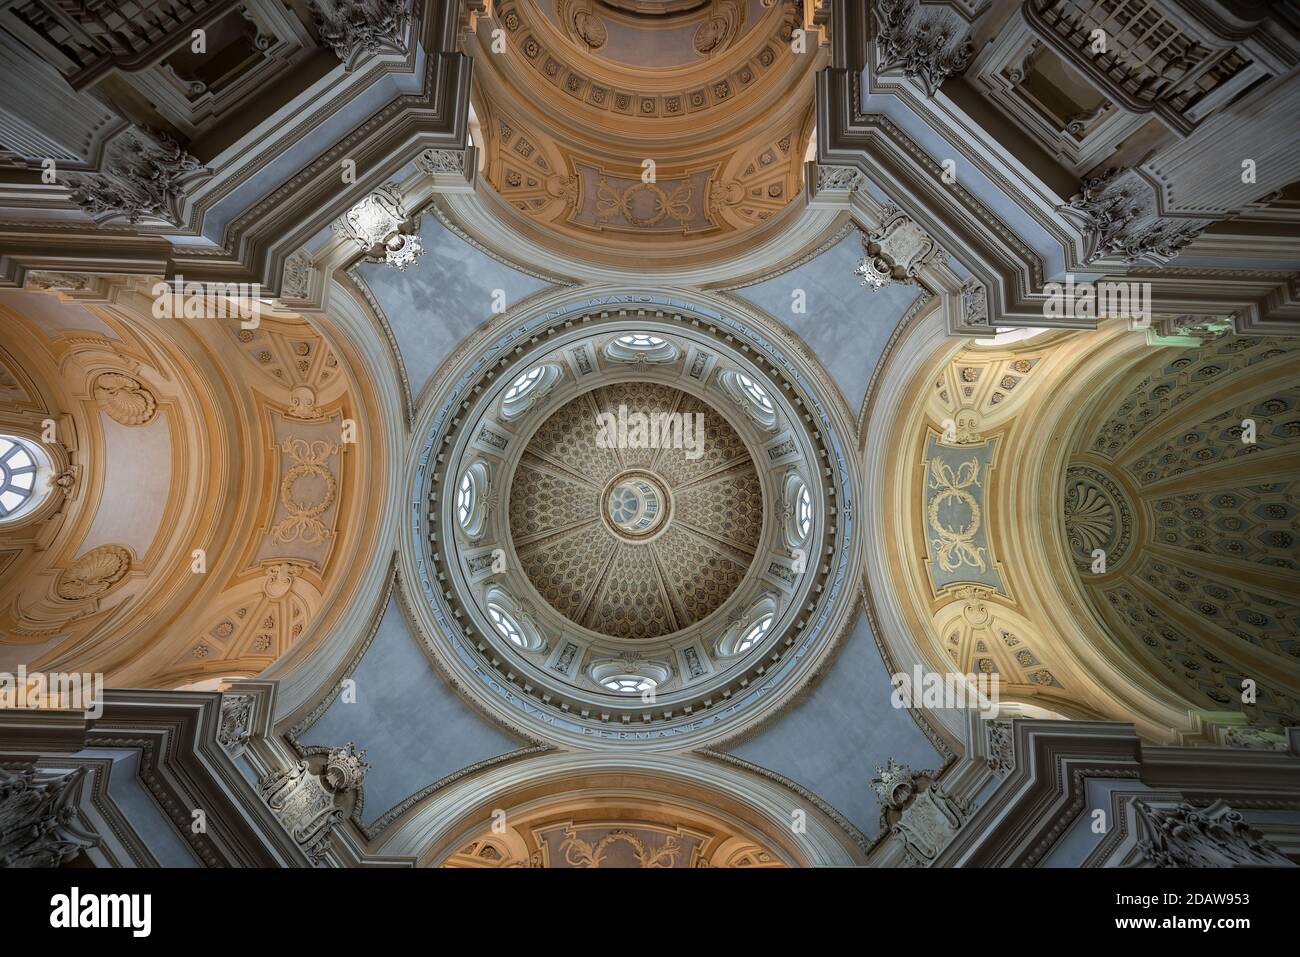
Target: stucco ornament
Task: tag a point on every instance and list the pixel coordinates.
(124, 398)
(95, 573)
(917, 810)
(306, 492)
(1214, 836)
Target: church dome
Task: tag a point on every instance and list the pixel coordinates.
(620, 511)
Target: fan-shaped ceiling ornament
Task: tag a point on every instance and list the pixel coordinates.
(617, 561)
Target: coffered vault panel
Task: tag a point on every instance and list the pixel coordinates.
(448, 292)
(844, 325)
(416, 730)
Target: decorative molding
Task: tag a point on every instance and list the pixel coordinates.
(896, 251)
(375, 224)
(236, 721)
(1001, 747)
(1117, 212)
(435, 161)
(60, 281)
(306, 802)
(1097, 515)
(302, 521)
(917, 810)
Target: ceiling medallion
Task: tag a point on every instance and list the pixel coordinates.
(1098, 519)
(632, 593)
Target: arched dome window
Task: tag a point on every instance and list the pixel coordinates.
(640, 340)
(797, 505)
(519, 388)
(616, 676)
(754, 633)
(511, 622)
(756, 392)
(752, 397)
(527, 387)
(471, 500)
(628, 684)
(22, 463)
(750, 630)
(465, 499)
(505, 624)
(640, 347)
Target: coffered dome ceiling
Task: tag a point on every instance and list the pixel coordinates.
(634, 542)
(586, 95)
(1198, 526)
(1109, 524)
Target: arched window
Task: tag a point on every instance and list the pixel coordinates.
(751, 629)
(471, 500)
(527, 387)
(505, 624)
(511, 621)
(755, 633)
(616, 676)
(751, 396)
(21, 464)
(796, 502)
(640, 347)
(522, 384)
(629, 684)
(641, 340)
(465, 499)
(755, 391)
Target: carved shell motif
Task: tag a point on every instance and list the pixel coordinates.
(125, 399)
(590, 29)
(95, 573)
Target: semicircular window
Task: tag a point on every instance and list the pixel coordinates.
(755, 633)
(640, 347)
(471, 499)
(746, 392)
(751, 629)
(527, 387)
(511, 622)
(804, 512)
(629, 684)
(505, 624)
(20, 463)
(798, 510)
